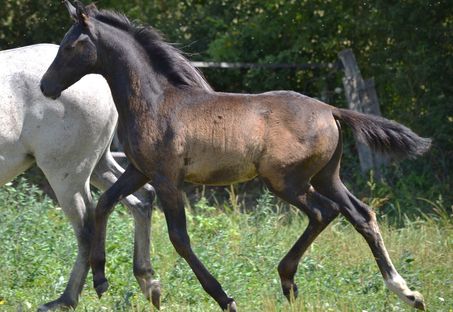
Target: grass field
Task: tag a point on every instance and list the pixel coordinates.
(241, 249)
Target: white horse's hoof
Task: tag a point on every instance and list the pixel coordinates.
(153, 293)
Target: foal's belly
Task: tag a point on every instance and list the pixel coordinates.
(221, 170)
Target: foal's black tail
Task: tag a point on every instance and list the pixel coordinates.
(383, 135)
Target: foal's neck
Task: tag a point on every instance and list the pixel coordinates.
(136, 88)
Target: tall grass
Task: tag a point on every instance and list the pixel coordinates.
(242, 249)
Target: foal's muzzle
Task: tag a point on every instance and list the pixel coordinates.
(52, 93)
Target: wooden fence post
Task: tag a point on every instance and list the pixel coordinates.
(361, 96)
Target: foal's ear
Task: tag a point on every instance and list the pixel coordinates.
(81, 13)
(71, 9)
(91, 8)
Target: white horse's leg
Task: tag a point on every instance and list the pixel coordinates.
(73, 194)
(74, 197)
(13, 164)
(104, 175)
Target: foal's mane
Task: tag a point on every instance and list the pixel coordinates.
(164, 58)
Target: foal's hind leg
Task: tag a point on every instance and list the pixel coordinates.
(364, 221)
(293, 185)
(104, 175)
(320, 211)
(328, 183)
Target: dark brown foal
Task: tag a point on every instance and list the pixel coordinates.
(175, 128)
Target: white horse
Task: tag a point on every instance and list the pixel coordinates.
(69, 140)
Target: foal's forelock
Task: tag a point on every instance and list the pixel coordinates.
(163, 57)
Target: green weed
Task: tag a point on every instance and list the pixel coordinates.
(242, 249)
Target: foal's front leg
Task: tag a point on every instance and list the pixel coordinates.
(130, 181)
(105, 174)
(173, 206)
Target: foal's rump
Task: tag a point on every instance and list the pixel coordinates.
(382, 135)
(301, 137)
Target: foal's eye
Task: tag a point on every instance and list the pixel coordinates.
(69, 47)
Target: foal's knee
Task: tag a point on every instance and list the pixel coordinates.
(324, 216)
(146, 196)
(105, 205)
(323, 210)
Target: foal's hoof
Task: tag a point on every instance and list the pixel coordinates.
(416, 300)
(101, 286)
(231, 307)
(61, 303)
(291, 293)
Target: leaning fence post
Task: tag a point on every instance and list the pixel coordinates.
(361, 96)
